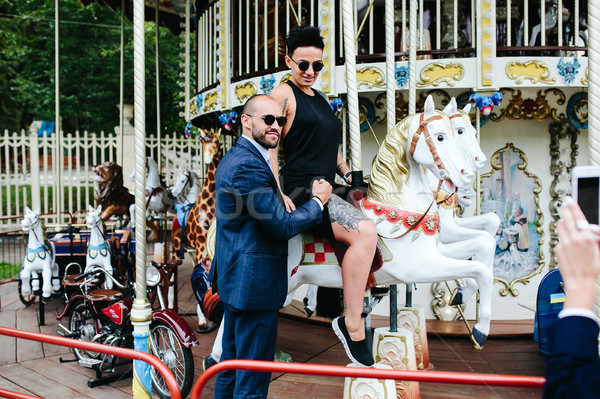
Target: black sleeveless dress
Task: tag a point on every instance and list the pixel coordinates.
(310, 149)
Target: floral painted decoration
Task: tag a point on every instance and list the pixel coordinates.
(228, 120)
(267, 84)
(568, 70)
(401, 75)
(336, 105)
(485, 103)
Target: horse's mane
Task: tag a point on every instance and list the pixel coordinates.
(390, 169)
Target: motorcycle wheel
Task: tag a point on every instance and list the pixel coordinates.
(25, 299)
(81, 321)
(165, 345)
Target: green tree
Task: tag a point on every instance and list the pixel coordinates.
(89, 66)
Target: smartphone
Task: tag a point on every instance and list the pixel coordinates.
(585, 190)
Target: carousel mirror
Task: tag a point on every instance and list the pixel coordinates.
(512, 193)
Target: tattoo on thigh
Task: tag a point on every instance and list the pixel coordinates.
(344, 214)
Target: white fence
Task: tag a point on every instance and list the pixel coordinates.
(23, 174)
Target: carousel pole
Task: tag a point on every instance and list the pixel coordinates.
(157, 62)
(594, 82)
(412, 88)
(594, 91)
(350, 57)
(391, 120)
(58, 159)
(141, 313)
(121, 85)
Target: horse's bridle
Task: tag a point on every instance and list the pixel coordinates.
(187, 181)
(99, 221)
(45, 243)
(422, 129)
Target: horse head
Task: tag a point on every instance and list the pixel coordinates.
(466, 134)
(210, 142)
(432, 144)
(93, 218)
(424, 139)
(31, 220)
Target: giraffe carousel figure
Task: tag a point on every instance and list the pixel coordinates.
(190, 229)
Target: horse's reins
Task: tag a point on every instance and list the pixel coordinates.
(422, 129)
(188, 181)
(45, 242)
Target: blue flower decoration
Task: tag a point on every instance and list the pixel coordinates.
(401, 75)
(337, 105)
(568, 70)
(188, 130)
(267, 84)
(199, 101)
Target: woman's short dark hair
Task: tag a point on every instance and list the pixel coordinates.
(304, 36)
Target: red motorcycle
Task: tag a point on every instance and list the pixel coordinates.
(101, 315)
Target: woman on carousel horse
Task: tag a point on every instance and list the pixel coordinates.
(310, 140)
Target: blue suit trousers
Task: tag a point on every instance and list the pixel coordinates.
(248, 335)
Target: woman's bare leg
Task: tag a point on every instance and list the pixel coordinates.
(359, 233)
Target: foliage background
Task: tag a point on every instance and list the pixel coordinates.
(89, 67)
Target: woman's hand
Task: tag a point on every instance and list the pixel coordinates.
(289, 204)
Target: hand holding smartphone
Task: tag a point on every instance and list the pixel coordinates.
(585, 191)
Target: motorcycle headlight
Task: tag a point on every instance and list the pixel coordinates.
(152, 276)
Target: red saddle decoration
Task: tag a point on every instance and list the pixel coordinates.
(320, 249)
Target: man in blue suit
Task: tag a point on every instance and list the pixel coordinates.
(250, 263)
(573, 366)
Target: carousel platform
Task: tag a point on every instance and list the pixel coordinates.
(34, 368)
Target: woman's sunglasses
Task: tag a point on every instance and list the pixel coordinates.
(303, 65)
(270, 119)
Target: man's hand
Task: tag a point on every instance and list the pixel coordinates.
(321, 189)
(289, 204)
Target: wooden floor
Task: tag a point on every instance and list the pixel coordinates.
(34, 368)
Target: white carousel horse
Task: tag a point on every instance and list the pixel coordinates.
(400, 202)
(156, 203)
(40, 257)
(457, 240)
(185, 190)
(98, 252)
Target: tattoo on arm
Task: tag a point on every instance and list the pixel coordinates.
(284, 105)
(340, 166)
(344, 214)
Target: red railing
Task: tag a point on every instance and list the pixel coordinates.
(94, 347)
(342, 371)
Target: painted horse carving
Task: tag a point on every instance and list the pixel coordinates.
(185, 190)
(155, 199)
(98, 251)
(40, 257)
(400, 202)
(191, 226)
(457, 240)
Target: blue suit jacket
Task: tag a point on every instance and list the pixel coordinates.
(573, 366)
(253, 228)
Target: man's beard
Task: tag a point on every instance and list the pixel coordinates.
(262, 139)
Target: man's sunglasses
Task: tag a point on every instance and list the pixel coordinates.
(270, 119)
(303, 65)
